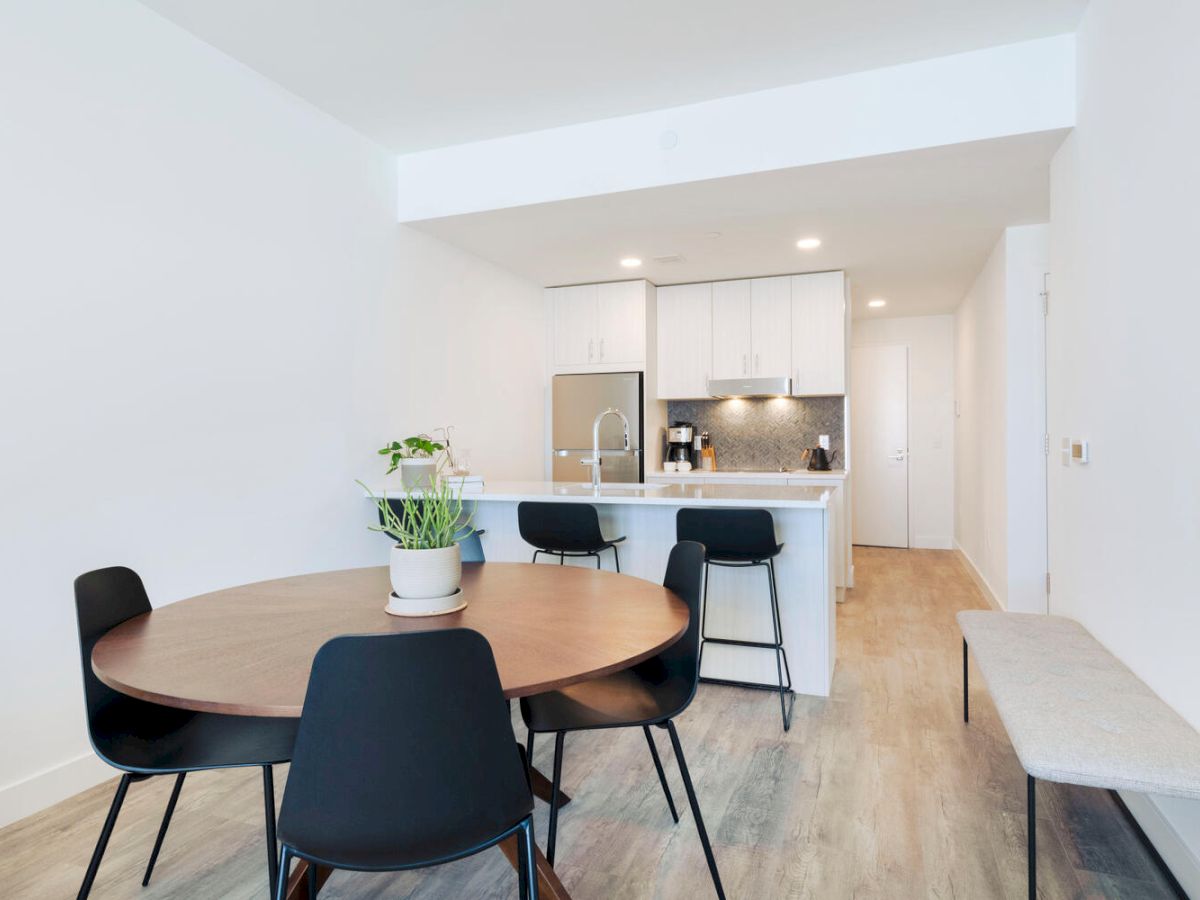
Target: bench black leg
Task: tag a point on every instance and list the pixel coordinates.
(1031, 812)
(966, 709)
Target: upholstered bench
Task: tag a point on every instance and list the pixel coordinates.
(1074, 713)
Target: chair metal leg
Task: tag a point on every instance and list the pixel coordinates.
(966, 708)
(162, 829)
(535, 556)
(313, 887)
(597, 555)
(527, 867)
(105, 834)
(616, 557)
(703, 620)
(785, 710)
(529, 753)
(562, 559)
(695, 804)
(285, 864)
(1031, 813)
(552, 834)
(269, 806)
(662, 777)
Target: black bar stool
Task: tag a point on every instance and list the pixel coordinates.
(740, 539)
(564, 529)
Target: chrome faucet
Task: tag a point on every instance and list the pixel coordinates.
(594, 462)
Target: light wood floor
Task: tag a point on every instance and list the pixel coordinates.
(879, 791)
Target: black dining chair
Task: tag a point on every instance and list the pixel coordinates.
(653, 692)
(741, 539)
(146, 739)
(564, 530)
(405, 758)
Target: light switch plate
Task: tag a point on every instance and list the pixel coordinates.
(1079, 451)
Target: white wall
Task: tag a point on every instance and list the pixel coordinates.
(993, 92)
(930, 342)
(1123, 363)
(198, 348)
(1000, 507)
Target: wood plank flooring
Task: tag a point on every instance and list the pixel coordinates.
(879, 791)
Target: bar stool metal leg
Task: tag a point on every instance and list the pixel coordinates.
(1031, 812)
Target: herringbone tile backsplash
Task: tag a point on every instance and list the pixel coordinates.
(765, 433)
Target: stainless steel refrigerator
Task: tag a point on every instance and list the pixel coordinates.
(576, 400)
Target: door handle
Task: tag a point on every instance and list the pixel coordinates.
(900, 454)
(601, 349)
(590, 350)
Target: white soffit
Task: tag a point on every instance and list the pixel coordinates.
(1002, 91)
(912, 227)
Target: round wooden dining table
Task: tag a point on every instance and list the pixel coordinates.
(248, 650)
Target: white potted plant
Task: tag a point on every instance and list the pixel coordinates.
(414, 456)
(426, 564)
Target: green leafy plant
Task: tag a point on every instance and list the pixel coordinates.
(419, 446)
(430, 519)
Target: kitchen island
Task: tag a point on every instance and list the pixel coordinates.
(738, 601)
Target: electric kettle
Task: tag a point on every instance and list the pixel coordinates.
(820, 459)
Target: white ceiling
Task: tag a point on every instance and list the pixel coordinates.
(416, 74)
(914, 228)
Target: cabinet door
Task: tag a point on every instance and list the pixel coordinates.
(771, 327)
(684, 341)
(819, 334)
(574, 325)
(731, 329)
(621, 323)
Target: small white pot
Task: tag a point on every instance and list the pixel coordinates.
(425, 582)
(416, 474)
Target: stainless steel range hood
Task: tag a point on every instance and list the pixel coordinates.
(750, 387)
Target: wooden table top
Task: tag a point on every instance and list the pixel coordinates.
(248, 650)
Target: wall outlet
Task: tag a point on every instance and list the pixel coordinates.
(823, 441)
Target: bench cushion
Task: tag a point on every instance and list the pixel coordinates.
(1074, 712)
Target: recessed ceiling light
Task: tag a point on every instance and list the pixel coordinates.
(808, 243)
(877, 303)
(631, 262)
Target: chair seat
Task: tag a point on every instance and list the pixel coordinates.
(644, 694)
(148, 738)
(718, 557)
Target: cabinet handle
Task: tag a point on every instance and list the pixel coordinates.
(744, 372)
(590, 350)
(757, 367)
(601, 349)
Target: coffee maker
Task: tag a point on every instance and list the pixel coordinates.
(680, 438)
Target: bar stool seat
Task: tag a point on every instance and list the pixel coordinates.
(741, 538)
(564, 530)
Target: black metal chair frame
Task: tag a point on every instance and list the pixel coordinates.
(787, 697)
(563, 555)
(1030, 794)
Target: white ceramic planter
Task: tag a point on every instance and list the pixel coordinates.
(416, 474)
(425, 582)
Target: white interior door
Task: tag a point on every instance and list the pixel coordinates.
(879, 423)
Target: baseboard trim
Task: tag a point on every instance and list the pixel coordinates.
(43, 789)
(976, 576)
(1177, 860)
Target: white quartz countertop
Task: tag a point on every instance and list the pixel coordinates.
(740, 475)
(761, 496)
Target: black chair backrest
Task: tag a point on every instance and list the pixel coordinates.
(573, 527)
(729, 532)
(405, 752)
(103, 600)
(676, 670)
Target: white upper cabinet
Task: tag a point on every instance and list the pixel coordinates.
(621, 323)
(574, 312)
(685, 340)
(731, 349)
(819, 334)
(599, 327)
(770, 327)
